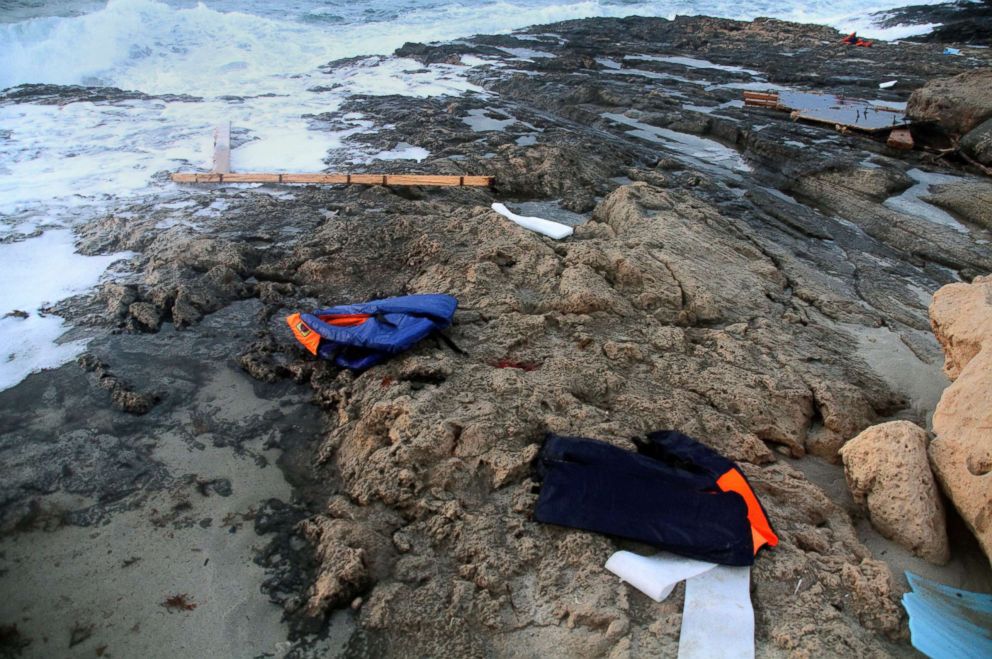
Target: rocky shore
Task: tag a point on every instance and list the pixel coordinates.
(758, 283)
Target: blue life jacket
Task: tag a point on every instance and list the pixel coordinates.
(358, 336)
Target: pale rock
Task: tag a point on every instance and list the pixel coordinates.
(962, 453)
(887, 469)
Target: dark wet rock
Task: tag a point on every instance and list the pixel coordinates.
(977, 143)
(122, 395)
(958, 104)
(219, 486)
(17, 313)
(46, 94)
(446, 53)
(63, 435)
(962, 22)
(146, 315)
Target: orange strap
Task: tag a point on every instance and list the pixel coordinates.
(761, 529)
(303, 333)
(345, 320)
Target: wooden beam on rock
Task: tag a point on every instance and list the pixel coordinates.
(221, 173)
(335, 179)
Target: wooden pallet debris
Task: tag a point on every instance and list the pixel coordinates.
(221, 173)
(830, 109)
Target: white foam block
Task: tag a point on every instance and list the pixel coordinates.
(540, 225)
(655, 576)
(718, 619)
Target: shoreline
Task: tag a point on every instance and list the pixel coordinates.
(715, 255)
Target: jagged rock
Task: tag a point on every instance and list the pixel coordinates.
(122, 394)
(887, 470)
(978, 142)
(119, 298)
(146, 315)
(353, 548)
(958, 104)
(962, 453)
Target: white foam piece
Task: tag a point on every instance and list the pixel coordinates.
(35, 273)
(718, 618)
(655, 576)
(887, 85)
(540, 225)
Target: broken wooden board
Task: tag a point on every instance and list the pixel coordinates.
(830, 109)
(900, 138)
(335, 179)
(222, 148)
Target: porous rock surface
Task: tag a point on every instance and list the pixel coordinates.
(887, 470)
(962, 453)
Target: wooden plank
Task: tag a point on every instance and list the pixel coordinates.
(331, 179)
(368, 179)
(222, 148)
(478, 181)
(194, 177)
(252, 177)
(760, 103)
(761, 95)
(325, 179)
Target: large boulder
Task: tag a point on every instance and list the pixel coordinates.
(958, 104)
(887, 469)
(962, 453)
(961, 317)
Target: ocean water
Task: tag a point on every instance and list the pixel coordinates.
(256, 64)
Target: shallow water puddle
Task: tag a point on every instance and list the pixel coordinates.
(480, 121)
(694, 63)
(909, 202)
(704, 153)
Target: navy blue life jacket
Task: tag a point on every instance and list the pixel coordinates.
(358, 336)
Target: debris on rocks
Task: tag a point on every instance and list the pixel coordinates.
(179, 602)
(830, 109)
(947, 622)
(548, 228)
